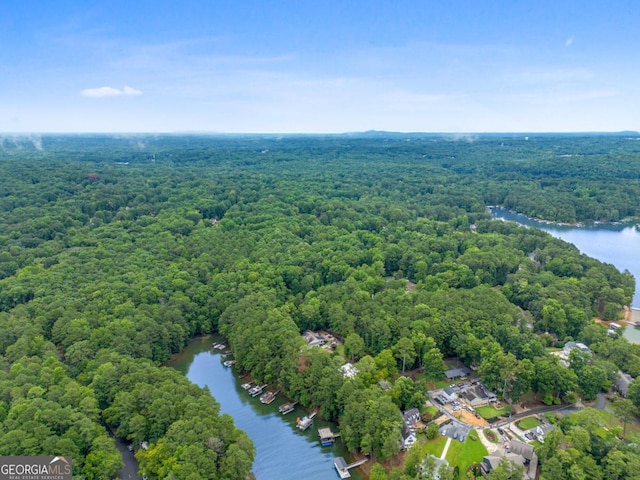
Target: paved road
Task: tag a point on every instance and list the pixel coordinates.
(130, 469)
(534, 411)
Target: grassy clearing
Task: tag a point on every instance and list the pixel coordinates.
(528, 423)
(611, 421)
(463, 455)
(435, 446)
(489, 411)
(431, 383)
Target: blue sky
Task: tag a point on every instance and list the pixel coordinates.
(319, 66)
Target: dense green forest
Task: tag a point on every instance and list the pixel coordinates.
(115, 251)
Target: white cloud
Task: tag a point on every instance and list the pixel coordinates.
(127, 90)
(568, 42)
(110, 92)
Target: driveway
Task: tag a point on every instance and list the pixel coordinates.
(130, 469)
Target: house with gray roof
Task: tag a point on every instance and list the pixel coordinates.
(455, 373)
(518, 453)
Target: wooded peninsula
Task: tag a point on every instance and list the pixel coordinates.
(115, 251)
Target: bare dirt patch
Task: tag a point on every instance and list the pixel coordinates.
(470, 419)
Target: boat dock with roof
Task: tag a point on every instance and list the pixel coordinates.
(327, 437)
(257, 390)
(287, 407)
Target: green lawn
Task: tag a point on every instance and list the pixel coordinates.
(463, 455)
(489, 411)
(435, 446)
(432, 384)
(611, 421)
(432, 410)
(528, 423)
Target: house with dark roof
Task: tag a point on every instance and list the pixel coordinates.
(449, 394)
(408, 437)
(314, 339)
(454, 373)
(411, 416)
(477, 396)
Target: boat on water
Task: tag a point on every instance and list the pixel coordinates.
(287, 407)
(306, 421)
(268, 397)
(257, 390)
(219, 346)
(247, 386)
(229, 363)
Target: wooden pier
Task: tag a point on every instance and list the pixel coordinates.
(342, 467)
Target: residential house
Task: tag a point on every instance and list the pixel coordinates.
(314, 339)
(478, 396)
(449, 394)
(408, 437)
(455, 373)
(520, 454)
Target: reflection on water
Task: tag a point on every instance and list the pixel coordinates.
(282, 451)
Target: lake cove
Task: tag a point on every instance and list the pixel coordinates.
(617, 244)
(283, 452)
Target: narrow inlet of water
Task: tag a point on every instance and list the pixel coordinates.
(283, 452)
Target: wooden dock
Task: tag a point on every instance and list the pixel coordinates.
(306, 421)
(327, 437)
(287, 408)
(343, 468)
(257, 390)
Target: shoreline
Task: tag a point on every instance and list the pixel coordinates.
(629, 222)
